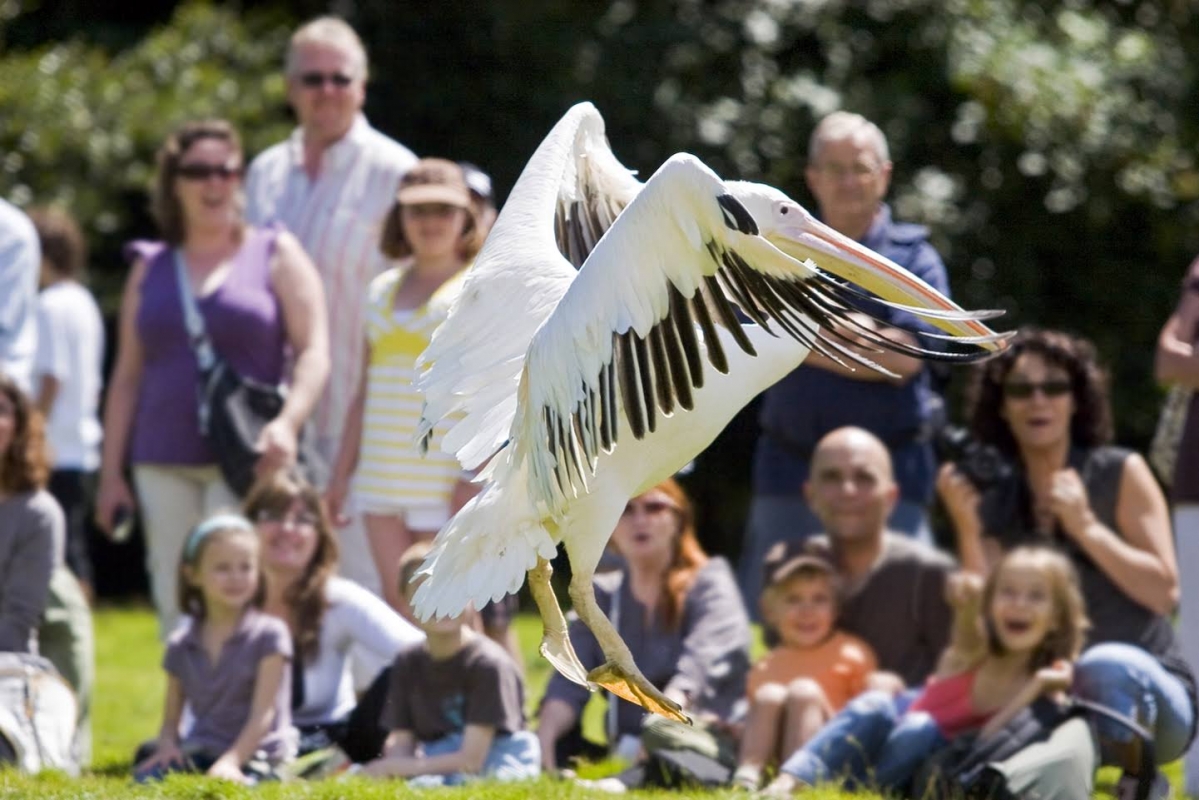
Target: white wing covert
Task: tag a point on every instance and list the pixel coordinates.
(569, 193)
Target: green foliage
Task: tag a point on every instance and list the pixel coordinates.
(1047, 144)
(80, 126)
(1050, 145)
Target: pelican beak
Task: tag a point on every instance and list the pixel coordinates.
(837, 254)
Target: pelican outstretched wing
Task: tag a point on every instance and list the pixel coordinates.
(624, 342)
(568, 195)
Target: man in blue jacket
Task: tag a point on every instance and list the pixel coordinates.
(848, 173)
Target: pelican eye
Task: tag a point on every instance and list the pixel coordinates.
(784, 210)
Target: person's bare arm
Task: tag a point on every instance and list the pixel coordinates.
(399, 748)
(121, 404)
(555, 719)
(1176, 360)
(258, 723)
(298, 286)
(1055, 678)
(906, 367)
(468, 760)
(349, 446)
(47, 393)
(967, 644)
(166, 749)
(302, 296)
(1140, 558)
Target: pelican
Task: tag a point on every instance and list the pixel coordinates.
(595, 349)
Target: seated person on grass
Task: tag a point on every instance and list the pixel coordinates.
(681, 615)
(1014, 639)
(228, 662)
(809, 676)
(455, 707)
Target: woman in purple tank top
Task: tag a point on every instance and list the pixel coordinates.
(263, 308)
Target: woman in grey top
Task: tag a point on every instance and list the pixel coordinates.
(678, 610)
(31, 523)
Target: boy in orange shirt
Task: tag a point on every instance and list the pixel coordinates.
(809, 676)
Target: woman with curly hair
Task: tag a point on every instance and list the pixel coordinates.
(328, 616)
(681, 614)
(1044, 404)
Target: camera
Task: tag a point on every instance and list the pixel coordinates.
(982, 464)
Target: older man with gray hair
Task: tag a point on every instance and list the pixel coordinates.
(332, 183)
(848, 172)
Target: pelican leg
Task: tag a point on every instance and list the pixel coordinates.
(555, 642)
(619, 674)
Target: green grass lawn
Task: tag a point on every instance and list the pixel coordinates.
(128, 707)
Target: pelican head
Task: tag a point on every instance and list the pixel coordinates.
(794, 230)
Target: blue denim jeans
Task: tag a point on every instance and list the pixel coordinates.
(872, 742)
(777, 518)
(512, 757)
(1127, 679)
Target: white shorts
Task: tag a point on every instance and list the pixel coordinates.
(416, 518)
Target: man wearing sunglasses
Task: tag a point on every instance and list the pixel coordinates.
(331, 183)
(848, 173)
(20, 264)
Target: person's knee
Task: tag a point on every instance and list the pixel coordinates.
(805, 692)
(873, 703)
(770, 695)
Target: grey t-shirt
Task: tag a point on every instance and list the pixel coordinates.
(478, 685)
(220, 695)
(31, 544)
(899, 608)
(706, 656)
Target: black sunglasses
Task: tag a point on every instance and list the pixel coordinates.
(315, 80)
(1022, 390)
(202, 172)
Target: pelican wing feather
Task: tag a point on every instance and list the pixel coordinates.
(632, 336)
(568, 195)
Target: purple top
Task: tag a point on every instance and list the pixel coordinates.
(245, 323)
(220, 695)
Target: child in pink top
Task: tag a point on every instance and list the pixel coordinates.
(1014, 639)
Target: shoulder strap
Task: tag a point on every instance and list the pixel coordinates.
(197, 337)
(197, 334)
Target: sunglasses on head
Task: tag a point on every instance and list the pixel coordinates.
(1022, 390)
(202, 172)
(650, 507)
(315, 80)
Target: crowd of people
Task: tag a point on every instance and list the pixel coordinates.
(291, 647)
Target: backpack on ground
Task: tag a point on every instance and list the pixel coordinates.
(37, 715)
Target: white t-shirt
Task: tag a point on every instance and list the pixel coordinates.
(354, 616)
(70, 347)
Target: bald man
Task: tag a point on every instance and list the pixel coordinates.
(894, 585)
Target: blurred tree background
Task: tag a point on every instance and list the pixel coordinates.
(1049, 144)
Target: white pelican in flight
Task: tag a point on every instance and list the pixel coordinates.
(595, 350)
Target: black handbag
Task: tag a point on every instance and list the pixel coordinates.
(233, 409)
(963, 769)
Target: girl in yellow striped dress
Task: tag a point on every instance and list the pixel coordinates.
(403, 496)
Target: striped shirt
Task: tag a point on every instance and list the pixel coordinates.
(338, 218)
(391, 472)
